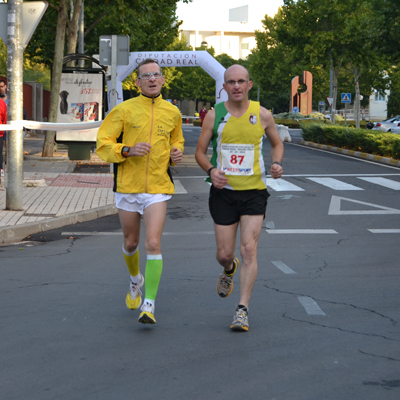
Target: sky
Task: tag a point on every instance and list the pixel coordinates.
(204, 13)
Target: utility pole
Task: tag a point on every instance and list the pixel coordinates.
(114, 53)
(15, 50)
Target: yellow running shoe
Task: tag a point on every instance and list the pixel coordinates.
(225, 282)
(147, 314)
(134, 297)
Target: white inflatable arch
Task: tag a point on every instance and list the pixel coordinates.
(176, 59)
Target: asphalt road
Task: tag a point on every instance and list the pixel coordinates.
(324, 315)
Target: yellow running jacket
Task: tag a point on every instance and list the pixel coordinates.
(141, 119)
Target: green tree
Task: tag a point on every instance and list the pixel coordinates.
(37, 73)
(393, 105)
(192, 83)
(319, 36)
(3, 59)
(271, 67)
(148, 23)
(385, 19)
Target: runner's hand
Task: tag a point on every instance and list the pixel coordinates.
(218, 178)
(276, 171)
(140, 149)
(176, 155)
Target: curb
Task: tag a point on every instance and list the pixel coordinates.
(40, 158)
(356, 154)
(16, 233)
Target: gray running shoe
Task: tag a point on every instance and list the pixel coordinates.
(240, 320)
(225, 282)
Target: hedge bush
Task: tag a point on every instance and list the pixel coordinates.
(367, 141)
(293, 124)
(289, 115)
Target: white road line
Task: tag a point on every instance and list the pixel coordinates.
(283, 267)
(311, 307)
(280, 185)
(297, 175)
(334, 184)
(190, 177)
(341, 175)
(302, 231)
(91, 233)
(179, 189)
(384, 230)
(388, 183)
(188, 233)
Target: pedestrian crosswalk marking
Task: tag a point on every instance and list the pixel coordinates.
(335, 184)
(389, 183)
(335, 208)
(284, 185)
(179, 189)
(281, 185)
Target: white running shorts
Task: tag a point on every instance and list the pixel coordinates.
(137, 202)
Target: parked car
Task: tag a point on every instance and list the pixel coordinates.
(395, 129)
(388, 125)
(370, 125)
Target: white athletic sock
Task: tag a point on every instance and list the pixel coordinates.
(151, 302)
(136, 279)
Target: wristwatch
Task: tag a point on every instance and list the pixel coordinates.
(277, 162)
(125, 151)
(209, 171)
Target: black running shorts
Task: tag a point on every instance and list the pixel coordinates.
(226, 206)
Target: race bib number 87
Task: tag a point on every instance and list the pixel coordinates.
(237, 159)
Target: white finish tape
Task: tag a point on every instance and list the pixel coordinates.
(49, 126)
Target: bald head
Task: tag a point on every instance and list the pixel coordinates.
(236, 68)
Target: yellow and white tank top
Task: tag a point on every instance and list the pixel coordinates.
(238, 148)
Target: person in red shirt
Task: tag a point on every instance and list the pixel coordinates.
(3, 120)
(203, 113)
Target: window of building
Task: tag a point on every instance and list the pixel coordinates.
(244, 46)
(379, 97)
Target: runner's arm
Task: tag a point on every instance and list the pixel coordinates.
(177, 141)
(277, 148)
(218, 178)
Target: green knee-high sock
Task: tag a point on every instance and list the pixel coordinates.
(132, 261)
(154, 266)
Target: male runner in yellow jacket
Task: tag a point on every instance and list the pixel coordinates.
(142, 136)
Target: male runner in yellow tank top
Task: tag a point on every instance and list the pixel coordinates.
(238, 193)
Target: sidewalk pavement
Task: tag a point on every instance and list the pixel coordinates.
(54, 196)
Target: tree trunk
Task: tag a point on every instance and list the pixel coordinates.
(73, 26)
(357, 72)
(335, 90)
(335, 85)
(48, 146)
(357, 104)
